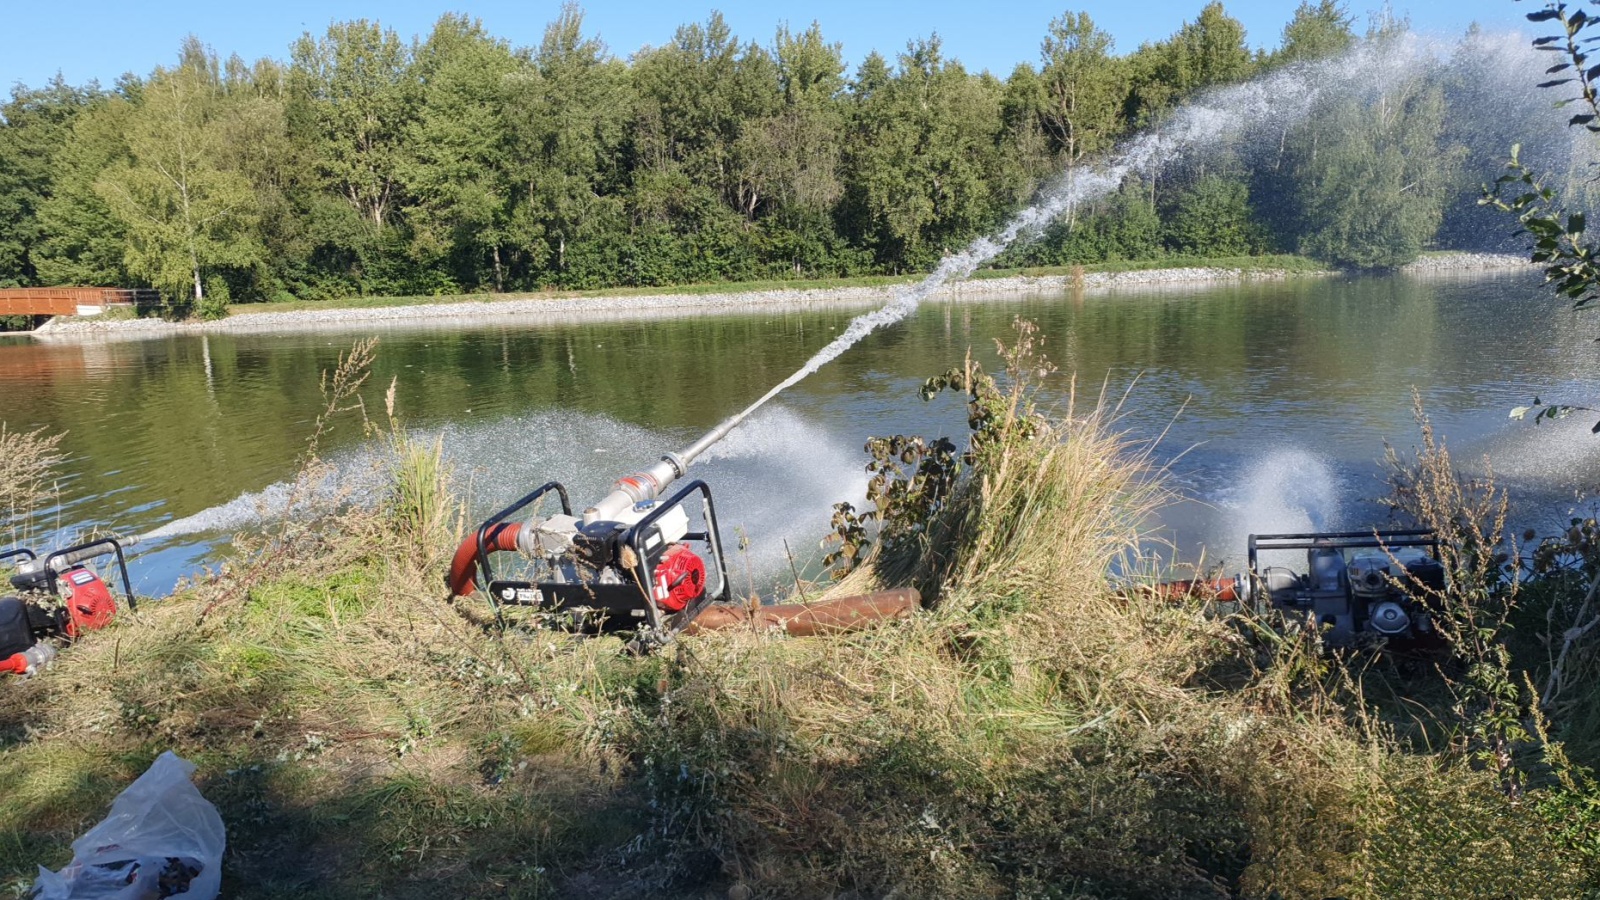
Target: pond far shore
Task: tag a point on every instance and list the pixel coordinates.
(644, 303)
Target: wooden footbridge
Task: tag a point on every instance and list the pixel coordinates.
(71, 301)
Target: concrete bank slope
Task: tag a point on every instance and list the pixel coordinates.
(514, 309)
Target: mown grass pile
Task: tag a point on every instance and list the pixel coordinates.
(1037, 732)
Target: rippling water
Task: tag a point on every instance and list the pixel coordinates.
(1273, 402)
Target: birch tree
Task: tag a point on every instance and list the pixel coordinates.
(184, 215)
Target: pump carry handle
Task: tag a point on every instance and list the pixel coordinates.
(61, 560)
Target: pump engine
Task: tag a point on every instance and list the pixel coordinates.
(58, 598)
(1356, 584)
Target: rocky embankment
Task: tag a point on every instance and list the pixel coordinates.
(1466, 264)
(652, 305)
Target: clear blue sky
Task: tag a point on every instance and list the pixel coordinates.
(101, 40)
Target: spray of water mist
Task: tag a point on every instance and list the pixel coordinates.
(1257, 111)
(582, 451)
(1286, 491)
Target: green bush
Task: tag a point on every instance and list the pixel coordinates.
(214, 305)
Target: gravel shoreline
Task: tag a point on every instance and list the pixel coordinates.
(1470, 264)
(546, 309)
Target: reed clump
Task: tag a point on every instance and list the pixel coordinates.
(28, 472)
(1040, 731)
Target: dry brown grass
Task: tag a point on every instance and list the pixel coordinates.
(28, 474)
(1042, 734)
(1038, 734)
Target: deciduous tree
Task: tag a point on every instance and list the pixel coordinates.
(183, 214)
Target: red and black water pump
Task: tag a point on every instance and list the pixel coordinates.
(633, 562)
(641, 561)
(58, 598)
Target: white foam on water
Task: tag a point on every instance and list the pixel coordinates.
(355, 479)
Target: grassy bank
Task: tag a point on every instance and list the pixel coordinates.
(1038, 732)
(1273, 263)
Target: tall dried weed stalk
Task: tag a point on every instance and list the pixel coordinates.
(308, 521)
(1480, 595)
(419, 507)
(28, 473)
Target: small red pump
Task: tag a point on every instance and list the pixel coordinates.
(58, 598)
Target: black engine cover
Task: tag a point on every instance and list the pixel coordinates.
(16, 632)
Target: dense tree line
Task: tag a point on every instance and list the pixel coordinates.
(454, 162)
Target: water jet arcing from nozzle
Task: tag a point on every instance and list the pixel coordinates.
(1269, 103)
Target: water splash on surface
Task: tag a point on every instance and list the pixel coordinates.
(1289, 490)
(775, 481)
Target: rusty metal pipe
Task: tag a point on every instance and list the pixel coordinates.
(1222, 590)
(808, 619)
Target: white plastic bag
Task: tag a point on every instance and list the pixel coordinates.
(161, 839)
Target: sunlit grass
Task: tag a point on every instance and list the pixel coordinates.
(1270, 263)
(1041, 732)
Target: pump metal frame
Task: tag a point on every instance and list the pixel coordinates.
(610, 607)
(1342, 540)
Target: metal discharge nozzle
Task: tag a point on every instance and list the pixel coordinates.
(650, 483)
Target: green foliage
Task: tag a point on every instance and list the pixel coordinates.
(1571, 261)
(183, 214)
(453, 162)
(364, 165)
(923, 152)
(1316, 32)
(1372, 178)
(913, 479)
(214, 304)
(81, 240)
(35, 125)
(1560, 243)
(1214, 218)
(1083, 90)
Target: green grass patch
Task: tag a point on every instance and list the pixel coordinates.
(1272, 263)
(1268, 263)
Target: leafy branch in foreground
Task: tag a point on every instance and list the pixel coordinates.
(1570, 259)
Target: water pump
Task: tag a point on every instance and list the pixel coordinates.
(636, 561)
(1357, 585)
(642, 561)
(59, 598)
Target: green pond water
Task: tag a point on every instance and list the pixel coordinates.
(1272, 402)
